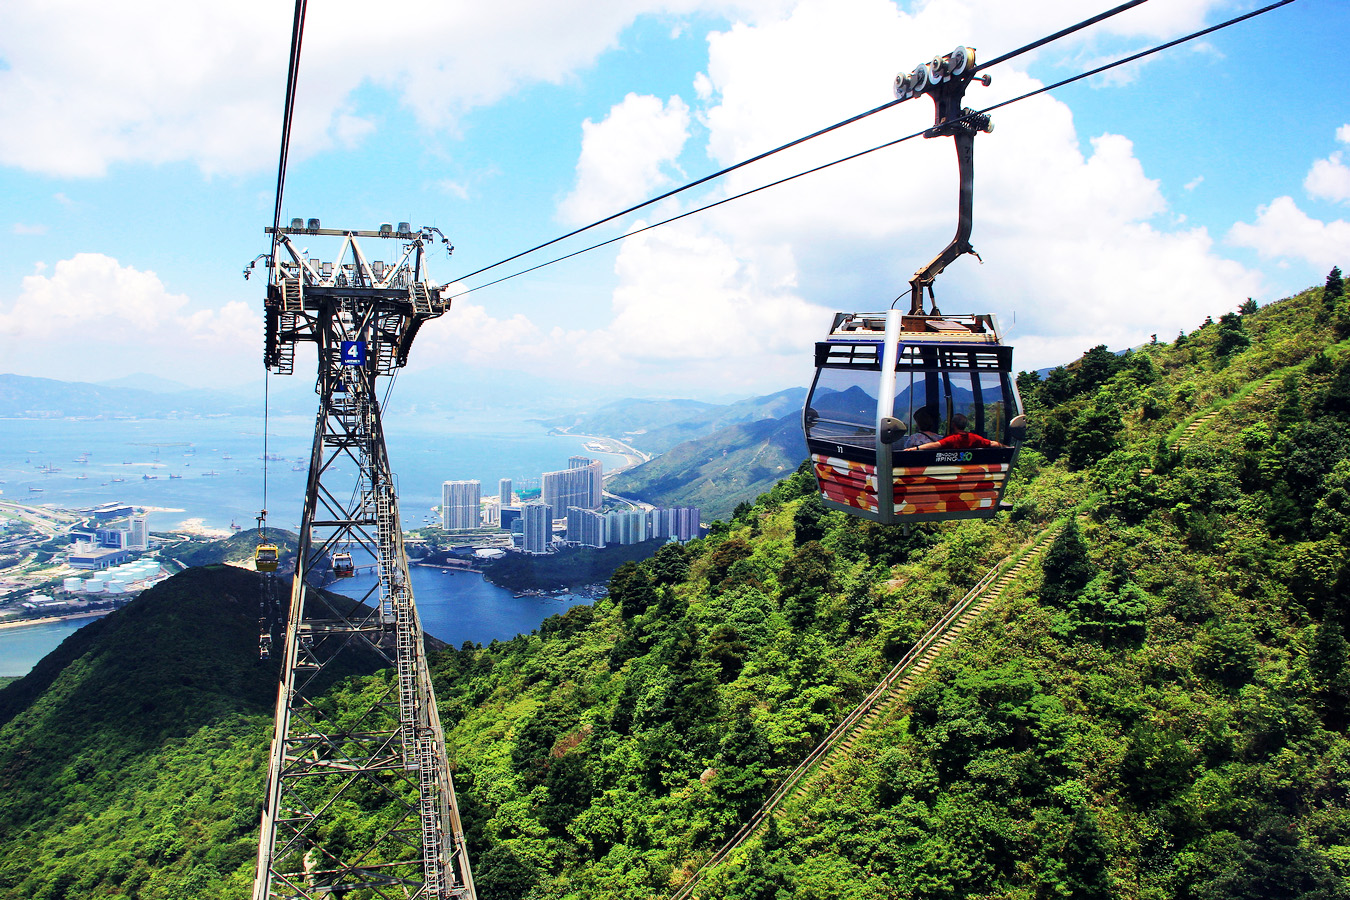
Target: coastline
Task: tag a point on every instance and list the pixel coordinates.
(48, 620)
(632, 456)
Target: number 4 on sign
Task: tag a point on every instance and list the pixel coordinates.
(353, 353)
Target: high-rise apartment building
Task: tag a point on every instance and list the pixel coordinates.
(597, 482)
(585, 527)
(538, 526)
(461, 505)
(686, 526)
(508, 497)
(626, 527)
(138, 537)
(581, 485)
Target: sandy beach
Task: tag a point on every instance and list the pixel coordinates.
(632, 456)
(197, 528)
(47, 620)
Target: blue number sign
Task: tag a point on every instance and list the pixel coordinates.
(353, 353)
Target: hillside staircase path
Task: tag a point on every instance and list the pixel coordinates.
(1193, 428)
(883, 699)
(1263, 387)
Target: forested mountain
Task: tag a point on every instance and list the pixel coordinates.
(1157, 709)
(132, 758)
(715, 473)
(658, 425)
(23, 397)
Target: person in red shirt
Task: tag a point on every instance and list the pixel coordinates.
(960, 439)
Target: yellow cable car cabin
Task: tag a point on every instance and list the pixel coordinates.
(343, 566)
(265, 557)
(889, 381)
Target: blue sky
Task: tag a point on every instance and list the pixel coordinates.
(138, 160)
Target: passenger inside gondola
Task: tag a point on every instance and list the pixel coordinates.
(961, 438)
(925, 428)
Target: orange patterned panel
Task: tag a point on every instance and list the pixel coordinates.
(844, 481)
(939, 489)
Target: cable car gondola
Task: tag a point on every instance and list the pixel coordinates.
(265, 557)
(944, 381)
(883, 379)
(343, 566)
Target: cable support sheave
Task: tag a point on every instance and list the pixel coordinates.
(909, 137)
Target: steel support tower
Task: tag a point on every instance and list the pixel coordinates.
(360, 800)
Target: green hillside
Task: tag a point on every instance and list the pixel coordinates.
(656, 426)
(1161, 713)
(718, 472)
(1157, 708)
(237, 548)
(132, 757)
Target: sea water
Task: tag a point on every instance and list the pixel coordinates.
(219, 461)
(21, 648)
(211, 469)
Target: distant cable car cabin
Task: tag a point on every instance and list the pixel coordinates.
(343, 566)
(889, 381)
(265, 557)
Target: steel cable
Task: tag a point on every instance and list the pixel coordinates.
(909, 137)
(801, 140)
(292, 75)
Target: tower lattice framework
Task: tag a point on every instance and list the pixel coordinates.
(360, 799)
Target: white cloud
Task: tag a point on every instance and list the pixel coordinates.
(453, 188)
(91, 85)
(1071, 243)
(21, 228)
(474, 336)
(1284, 230)
(1329, 179)
(88, 85)
(1194, 182)
(626, 157)
(92, 313)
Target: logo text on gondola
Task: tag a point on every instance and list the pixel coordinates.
(967, 456)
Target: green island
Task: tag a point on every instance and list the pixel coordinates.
(570, 567)
(1156, 707)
